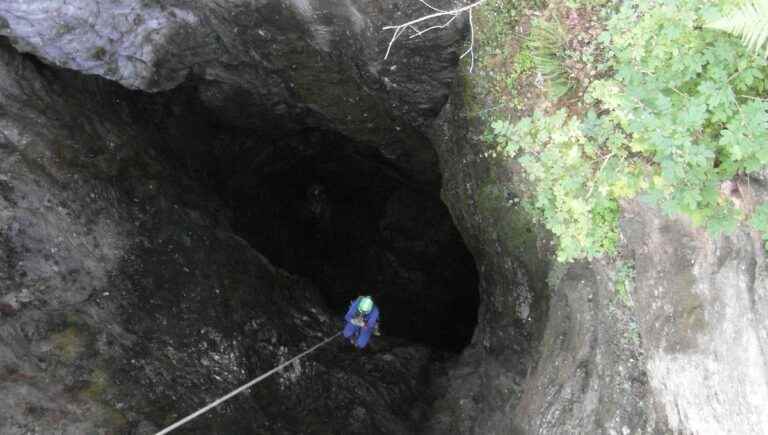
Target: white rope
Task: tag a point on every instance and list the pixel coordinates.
(244, 387)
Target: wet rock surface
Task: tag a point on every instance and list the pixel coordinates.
(128, 301)
(266, 64)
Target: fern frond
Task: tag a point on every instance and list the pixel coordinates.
(547, 44)
(750, 22)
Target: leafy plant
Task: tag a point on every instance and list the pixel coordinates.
(750, 22)
(760, 221)
(574, 183)
(547, 46)
(524, 63)
(689, 103)
(624, 279)
(682, 114)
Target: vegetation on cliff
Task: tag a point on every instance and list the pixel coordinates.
(642, 98)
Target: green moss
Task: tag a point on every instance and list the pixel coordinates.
(111, 70)
(472, 102)
(63, 29)
(688, 320)
(115, 419)
(624, 279)
(72, 338)
(106, 414)
(69, 343)
(514, 226)
(100, 53)
(97, 384)
(518, 230)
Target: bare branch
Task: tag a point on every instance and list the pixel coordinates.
(471, 49)
(402, 28)
(420, 32)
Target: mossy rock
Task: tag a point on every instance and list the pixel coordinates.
(69, 343)
(97, 384)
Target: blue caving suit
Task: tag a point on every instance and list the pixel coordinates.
(363, 334)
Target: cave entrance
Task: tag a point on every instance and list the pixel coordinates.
(338, 213)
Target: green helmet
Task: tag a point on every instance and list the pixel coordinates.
(365, 305)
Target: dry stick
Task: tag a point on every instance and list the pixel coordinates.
(401, 28)
(752, 97)
(431, 7)
(471, 43)
(441, 26)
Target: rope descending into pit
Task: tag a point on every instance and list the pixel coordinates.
(244, 387)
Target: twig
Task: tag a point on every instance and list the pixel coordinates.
(682, 94)
(420, 32)
(431, 7)
(752, 97)
(401, 28)
(471, 49)
(733, 76)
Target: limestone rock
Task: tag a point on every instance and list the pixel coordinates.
(128, 302)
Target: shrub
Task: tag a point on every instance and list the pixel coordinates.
(681, 114)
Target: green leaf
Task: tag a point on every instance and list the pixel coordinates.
(750, 23)
(759, 220)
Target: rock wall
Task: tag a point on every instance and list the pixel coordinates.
(701, 302)
(481, 389)
(683, 353)
(267, 64)
(127, 302)
(116, 268)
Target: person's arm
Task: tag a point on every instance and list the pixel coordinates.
(373, 318)
(352, 310)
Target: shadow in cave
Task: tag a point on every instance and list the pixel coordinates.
(317, 205)
(336, 212)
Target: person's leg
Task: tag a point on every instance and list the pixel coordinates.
(362, 339)
(351, 332)
(349, 329)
